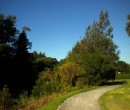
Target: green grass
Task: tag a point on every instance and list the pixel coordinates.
(118, 99)
(52, 105)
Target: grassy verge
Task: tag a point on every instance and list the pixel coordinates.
(118, 99)
(123, 76)
(52, 105)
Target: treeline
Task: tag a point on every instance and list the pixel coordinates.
(19, 68)
(92, 61)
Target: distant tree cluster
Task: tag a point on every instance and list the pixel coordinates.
(19, 68)
(122, 67)
(42, 62)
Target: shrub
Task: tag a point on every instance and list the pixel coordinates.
(6, 100)
(46, 84)
(69, 72)
(123, 76)
(23, 99)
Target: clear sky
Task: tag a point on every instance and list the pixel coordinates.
(56, 25)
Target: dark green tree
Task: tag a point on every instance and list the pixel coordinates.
(8, 34)
(96, 52)
(122, 67)
(42, 62)
(128, 25)
(22, 45)
(16, 63)
(8, 29)
(37, 55)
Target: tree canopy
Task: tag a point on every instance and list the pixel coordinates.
(122, 67)
(96, 52)
(8, 34)
(22, 45)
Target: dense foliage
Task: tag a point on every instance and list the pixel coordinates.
(6, 100)
(96, 52)
(47, 83)
(42, 62)
(15, 63)
(123, 76)
(122, 67)
(69, 72)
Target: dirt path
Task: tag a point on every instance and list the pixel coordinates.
(87, 100)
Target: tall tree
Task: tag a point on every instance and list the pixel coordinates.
(8, 29)
(96, 52)
(128, 25)
(22, 45)
(16, 66)
(8, 34)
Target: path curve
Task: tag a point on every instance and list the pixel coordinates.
(87, 100)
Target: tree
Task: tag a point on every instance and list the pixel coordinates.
(42, 62)
(17, 69)
(96, 52)
(8, 29)
(8, 34)
(122, 66)
(128, 25)
(22, 45)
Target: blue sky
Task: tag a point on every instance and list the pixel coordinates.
(56, 25)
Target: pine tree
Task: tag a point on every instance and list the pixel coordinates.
(96, 52)
(22, 45)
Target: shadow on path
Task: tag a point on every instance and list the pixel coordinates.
(118, 82)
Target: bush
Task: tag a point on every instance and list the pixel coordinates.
(123, 76)
(81, 83)
(69, 73)
(46, 84)
(6, 100)
(23, 99)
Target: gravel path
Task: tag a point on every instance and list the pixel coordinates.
(87, 100)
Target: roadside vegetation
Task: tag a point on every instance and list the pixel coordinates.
(123, 76)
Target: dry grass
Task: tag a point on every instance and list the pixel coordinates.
(36, 103)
